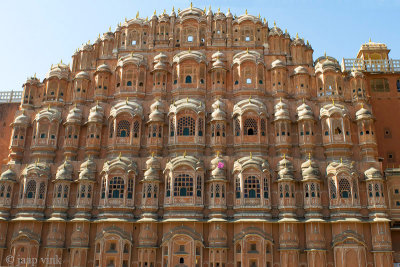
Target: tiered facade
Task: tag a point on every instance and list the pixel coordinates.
(195, 139)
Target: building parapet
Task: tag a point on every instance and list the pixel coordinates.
(10, 97)
(379, 65)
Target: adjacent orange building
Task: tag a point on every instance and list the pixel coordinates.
(204, 139)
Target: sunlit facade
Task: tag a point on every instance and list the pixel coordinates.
(197, 138)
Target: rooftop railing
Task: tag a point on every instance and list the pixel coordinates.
(380, 65)
(10, 97)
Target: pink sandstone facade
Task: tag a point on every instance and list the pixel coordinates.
(196, 139)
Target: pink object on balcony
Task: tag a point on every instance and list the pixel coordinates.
(220, 165)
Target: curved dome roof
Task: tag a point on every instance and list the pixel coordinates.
(96, 114)
(60, 71)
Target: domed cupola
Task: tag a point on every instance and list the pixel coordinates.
(96, 114)
(311, 188)
(156, 114)
(217, 187)
(155, 127)
(150, 187)
(306, 128)
(218, 74)
(7, 181)
(94, 127)
(275, 31)
(218, 126)
(74, 115)
(286, 188)
(19, 131)
(366, 133)
(72, 131)
(218, 166)
(160, 72)
(309, 170)
(282, 124)
(285, 169)
(64, 171)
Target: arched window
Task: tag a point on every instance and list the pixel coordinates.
(65, 191)
(237, 127)
(250, 126)
(344, 188)
(83, 191)
(198, 186)
(200, 131)
(123, 128)
(136, 129)
(188, 79)
(172, 127)
(130, 188)
(186, 126)
(30, 189)
(266, 187)
(263, 127)
(89, 191)
(116, 188)
(42, 189)
(332, 188)
(183, 186)
(252, 187)
(59, 191)
(237, 186)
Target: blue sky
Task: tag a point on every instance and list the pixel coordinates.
(36, 34)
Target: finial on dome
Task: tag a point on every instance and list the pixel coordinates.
(152, 154)
(284, 155)
(126, 20)
(137, 15)
(187, 99)
(246, 12)
(34, 75)
(209, 7)
(325, 54)
(155, 12)
(251, 155)
(164, 11)
(274, 23)
(297, 35)
(179, 10)
(147, 18)
(259, 15)
(264, 21)
(250, 99)
(362, 105)
(61, 59)
(308, 43)
(97, 102)
(99, 36)
(333, 101)
(191, 5)
(184, 154)
(285, 31)
(229, 10)
(280, 99)
(126, 101)
(173, 9)
(189, 49)
(218, 153)
(309, 156)
(219, 10)
(205, 10)
(247, 50)
(341, 160)
(119, 156)
(109, 29)
(48, 107)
